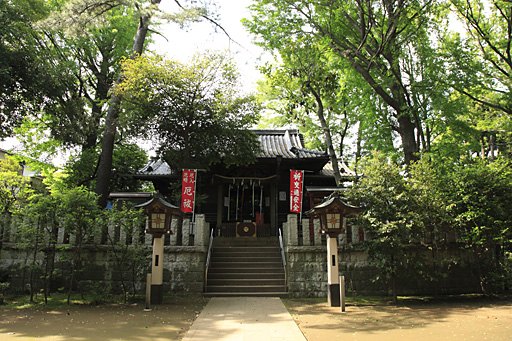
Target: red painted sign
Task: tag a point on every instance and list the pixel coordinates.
(188, 188)
(296, 182)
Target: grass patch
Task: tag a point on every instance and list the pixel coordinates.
(60, 301)
(358, 300)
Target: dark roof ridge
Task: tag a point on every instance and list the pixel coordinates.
(275, 131)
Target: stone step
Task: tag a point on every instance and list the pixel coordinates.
(281, 294)
(247, 275)
(246, 267)
(255, 257)
(246, 259)
(240, 252)
(245, 282)
(246, 264)
(226, 241)
(246, 247)
(246, 270)
(245, 288)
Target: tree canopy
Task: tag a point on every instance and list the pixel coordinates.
(384, 41)
(27, 84)
(196, 111)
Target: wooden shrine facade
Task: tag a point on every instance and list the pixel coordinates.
(256, 197)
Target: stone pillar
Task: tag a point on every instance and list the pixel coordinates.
(72, 239)
(306, 238)
(173, 239)
(342, 238)
(97, 237)
(5, 225)
(60, 236)
(122, 235)
(316, 232)
(111, 233)
(185, 232)
(285, 233)
(10, 235)
(333, 281)
(148, 239)
(202, 231)
(293, 232)
(355, 234)
(157, 271)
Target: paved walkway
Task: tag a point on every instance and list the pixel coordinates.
(244, 318)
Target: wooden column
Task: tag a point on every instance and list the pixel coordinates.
(220, 205)
(273, 201)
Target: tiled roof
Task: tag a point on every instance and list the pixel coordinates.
(288, 144)
(156, 168)
(344, 170)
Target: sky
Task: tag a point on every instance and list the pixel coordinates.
(181, 44)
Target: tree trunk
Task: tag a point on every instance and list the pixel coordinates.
(395, 296)
(327, 134)
(34, 260)
(343, 135)
(406, 131)
(358, 147)
(107, 152)
(107, 147)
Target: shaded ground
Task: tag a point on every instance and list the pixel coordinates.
(450, 318)
(454, 319)
(168, 321)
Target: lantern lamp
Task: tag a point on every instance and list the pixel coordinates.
(160, 214)
(331, 212)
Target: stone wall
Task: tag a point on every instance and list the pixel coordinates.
(307, 272)
(184, 261)
(185, 256)
(184, 270)
(307, 266)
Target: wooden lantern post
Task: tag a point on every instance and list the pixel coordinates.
(332, 213)
(160, 214)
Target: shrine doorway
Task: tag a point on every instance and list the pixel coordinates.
(246, 207)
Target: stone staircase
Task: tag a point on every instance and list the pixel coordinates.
(246, 267)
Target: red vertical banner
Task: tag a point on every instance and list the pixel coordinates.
(296, 183)
(188, 189)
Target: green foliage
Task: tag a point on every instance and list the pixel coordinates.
(128, 158)
(412, 215)
(383, 194)
(74, 215)
(483, 201)
(23, 85)
(3, 289)
(386, 43)
(132, 259)
(79, 214)
(482, 198)
(480, 64)
(478, 67)
(311, 88)
(78, 211)
(58, 301)
(85, 66)
(196, 110)
(14, 188)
